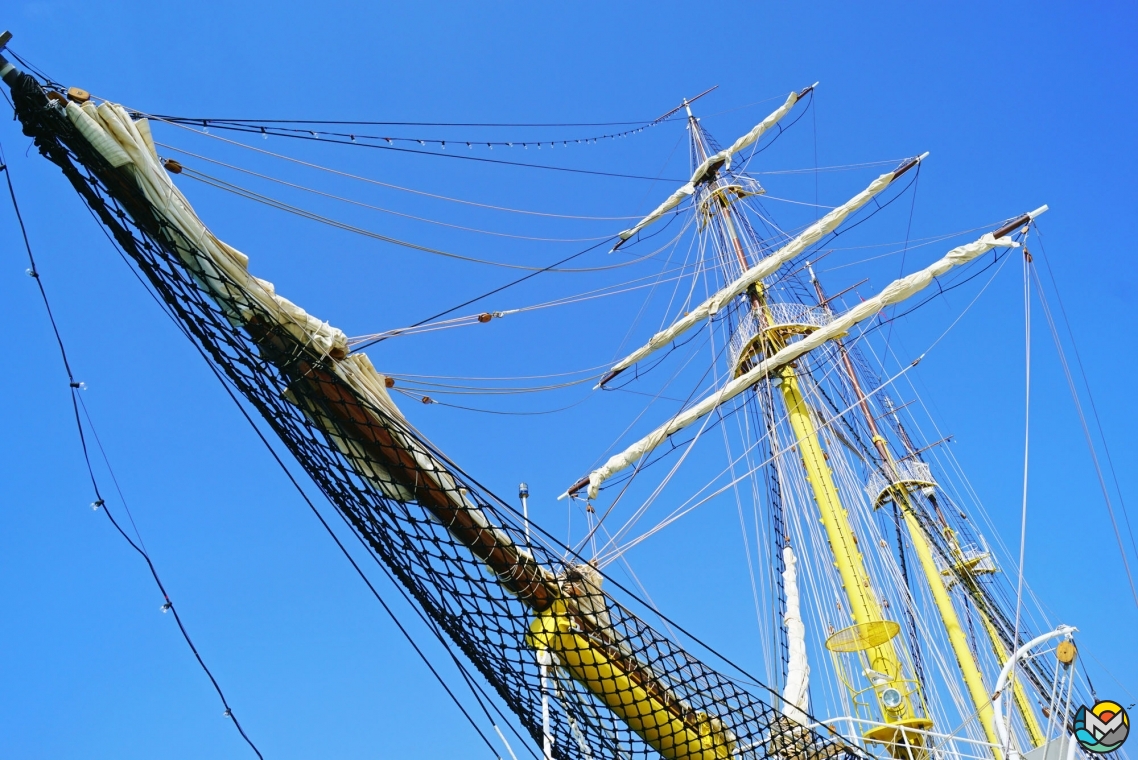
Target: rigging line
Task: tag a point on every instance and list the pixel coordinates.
(76, 402)
(416, 152)
(756, 150)
(111, 472)
(1026, 442)
(195, 120)
(351, 559)
(435, 402)
(997, 258)
(912, 244)
(312, 216)
(388, 185)
(418, 385)
(269, 128)
(489, 293)
(473, 319)
(519, 377)
(1090, 445)
(904, 253)
(640, 464)
(1086, 381)
(740, 108)
(833, 168)
(380, 208)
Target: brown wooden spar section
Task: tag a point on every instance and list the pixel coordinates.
(673, 703)
(515, 570)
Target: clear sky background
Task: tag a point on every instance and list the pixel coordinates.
(1019, 103)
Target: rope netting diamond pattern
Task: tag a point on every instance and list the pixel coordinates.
(616, 688)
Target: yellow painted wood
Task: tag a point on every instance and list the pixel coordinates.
(864, 606)
(965, 659)
(670, 727)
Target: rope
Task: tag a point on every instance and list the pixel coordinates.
(312, 216)
(1026, 446)
(388, 185)
(268, 127)
(546, 167)
(1087, 432)
(100, 502)
(375, 208)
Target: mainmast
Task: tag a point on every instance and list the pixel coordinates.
(872, 635)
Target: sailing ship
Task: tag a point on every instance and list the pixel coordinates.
(892, 631)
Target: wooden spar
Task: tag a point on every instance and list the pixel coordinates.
(630, 687)
(608, 376)
(516, 571)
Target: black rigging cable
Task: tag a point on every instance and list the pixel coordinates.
(100, 502)
(199, 120)
(415, 151)
(265, 128)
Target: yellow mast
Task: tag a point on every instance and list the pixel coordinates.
(966, 660)
(871, 634)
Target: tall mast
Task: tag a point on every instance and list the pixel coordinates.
(965, 659)
(872, 636)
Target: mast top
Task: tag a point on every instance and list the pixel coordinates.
(686, 104)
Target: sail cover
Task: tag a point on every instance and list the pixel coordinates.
(764, 268)
(895, 292)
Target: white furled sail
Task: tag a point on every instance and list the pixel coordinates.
(895, 292)
(796, 693)
(223, 271)
(722, 158)
(672, 201)
(764, 268)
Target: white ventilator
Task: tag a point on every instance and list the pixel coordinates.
(895, 292)
(762, 269)
(723, 158)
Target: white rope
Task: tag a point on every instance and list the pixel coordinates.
(1026, 446)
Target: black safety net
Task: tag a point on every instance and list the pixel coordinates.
(614, 686)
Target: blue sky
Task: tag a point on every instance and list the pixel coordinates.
(1019, 104)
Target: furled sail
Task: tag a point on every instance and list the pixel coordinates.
(764, 268)
(722, 158)
(408, 471)
(443, 537)
(895, 292)
(796, 693)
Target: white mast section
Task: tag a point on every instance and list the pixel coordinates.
(723, 158)
(895, 292)
(764, 268)
(796, 693)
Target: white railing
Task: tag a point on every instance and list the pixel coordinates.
(910, 472)
(794, 317)
(938, 745)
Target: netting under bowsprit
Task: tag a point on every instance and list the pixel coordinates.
(532, 624)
